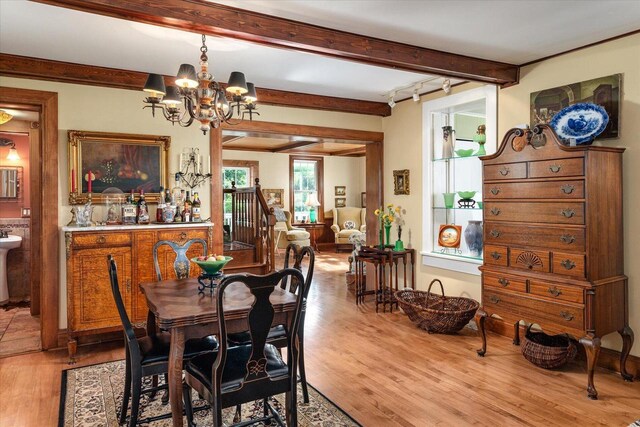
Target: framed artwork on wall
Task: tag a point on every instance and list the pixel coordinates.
(363, 199)
(274, 197)
(105, 162)
(341, 190)
(401, 181)
(341, 202)
(449, 236)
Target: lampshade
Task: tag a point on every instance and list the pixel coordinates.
(4, 117)
(13, 154)
(221, 102)
(312, 200)
(187, 76)
(251, 96)
(172, 97)
(237, 83)
(155, 84)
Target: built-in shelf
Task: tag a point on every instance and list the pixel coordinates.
(458, 209)
(442, 159)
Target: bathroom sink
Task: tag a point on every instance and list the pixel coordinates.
(6, 244)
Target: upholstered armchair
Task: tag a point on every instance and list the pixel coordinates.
(347, 221)
(289, 233)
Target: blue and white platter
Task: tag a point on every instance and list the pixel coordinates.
(580, 122)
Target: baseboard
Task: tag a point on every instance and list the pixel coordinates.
(608, 359)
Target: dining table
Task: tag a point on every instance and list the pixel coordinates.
(176, 306)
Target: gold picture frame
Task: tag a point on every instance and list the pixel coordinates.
(274, 197)
(116, 160)
(401, 181)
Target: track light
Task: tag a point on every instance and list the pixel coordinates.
(446, 86)
(391, 102)
(416, 97)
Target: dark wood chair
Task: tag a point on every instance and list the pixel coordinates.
(294, 257)
(182, 264)
(147, 356)
(245, 373)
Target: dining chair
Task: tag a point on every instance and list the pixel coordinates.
(182, 264)
(233, 375)
(147, 356)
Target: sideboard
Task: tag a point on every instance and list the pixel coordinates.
(90, 305)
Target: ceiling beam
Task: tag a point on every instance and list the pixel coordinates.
(219, 20)
(67, 72)
(359, 150)
(226, 139)
(261, 129)
(295, 145)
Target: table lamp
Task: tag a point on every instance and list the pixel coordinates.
(312, 202)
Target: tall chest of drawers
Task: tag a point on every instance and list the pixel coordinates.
(553, 251)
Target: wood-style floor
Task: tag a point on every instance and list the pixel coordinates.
(381, 370)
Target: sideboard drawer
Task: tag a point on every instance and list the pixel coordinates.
(545, 212)
(534, 190)
(496, 255)
(92, 240)
(555, 291)
(509, 283)
(529, 260)
(541, 236)
(568, 264)
(554, 168)
(182, 235)
(505, 171)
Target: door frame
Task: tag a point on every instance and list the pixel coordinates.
(44, 206)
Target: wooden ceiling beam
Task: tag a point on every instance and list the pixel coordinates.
(220, 20)
(358, 151)
(67, 72)
(295, 145)
(261, 129)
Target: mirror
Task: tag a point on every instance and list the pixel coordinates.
(9, 182)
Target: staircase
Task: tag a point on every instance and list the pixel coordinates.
(252, 236)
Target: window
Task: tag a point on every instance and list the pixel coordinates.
(305, 175)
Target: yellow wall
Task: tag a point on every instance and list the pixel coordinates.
(403, 150)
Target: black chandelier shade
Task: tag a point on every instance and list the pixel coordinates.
(155, 84)
(187, 76)
(251, 95)
(172, 96)
(237, 83)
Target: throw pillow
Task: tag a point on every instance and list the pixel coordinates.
(349, 225)
(279, 213)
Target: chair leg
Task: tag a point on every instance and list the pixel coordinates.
(127, 390)
(303, 374)
(135, 398)
(154, 383)
(266, 412)
(238, 415)
(165, 395)
(188, 407)
(216, 411)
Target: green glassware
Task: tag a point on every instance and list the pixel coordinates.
(448, 199)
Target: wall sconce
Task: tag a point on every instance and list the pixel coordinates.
(13, 153)
(191, 172)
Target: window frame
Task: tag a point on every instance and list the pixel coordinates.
(319, 179)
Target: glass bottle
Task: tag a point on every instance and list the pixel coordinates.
(129, 210)
(195, 209)
(186, 209)
(176, 192)
(143, 210)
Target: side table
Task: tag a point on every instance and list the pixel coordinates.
(311, 227)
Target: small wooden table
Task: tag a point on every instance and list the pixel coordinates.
(176, 306)
(312, 227)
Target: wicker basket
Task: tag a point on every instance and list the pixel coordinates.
(436, 313)
(547, 351)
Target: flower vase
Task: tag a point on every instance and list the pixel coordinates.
(381, 239)
(473, 237)
(387, 232)
(399, 245)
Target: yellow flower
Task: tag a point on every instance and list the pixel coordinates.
(390, 205)
(398, 209)
(377, 212)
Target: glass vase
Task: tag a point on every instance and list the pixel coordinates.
(387, 233)
(381, 239)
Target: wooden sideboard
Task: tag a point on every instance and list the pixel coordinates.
(90, 305)
(553, 252)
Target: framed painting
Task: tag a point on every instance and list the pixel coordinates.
(603, 91)
(449, 235)
(401, 181)
(341, 190)
(104, 163)
(341, 202)
(363, 199)
(274, 197)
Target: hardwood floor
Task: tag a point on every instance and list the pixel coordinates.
(381, 370)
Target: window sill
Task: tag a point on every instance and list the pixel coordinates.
(459, 263)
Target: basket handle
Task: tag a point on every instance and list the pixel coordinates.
(441, 288)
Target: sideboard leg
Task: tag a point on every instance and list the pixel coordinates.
(481, 316)
(592, 347)
(72, 348)
(516, 333)
(627, 342)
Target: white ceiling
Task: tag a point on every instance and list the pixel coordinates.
(509, 31)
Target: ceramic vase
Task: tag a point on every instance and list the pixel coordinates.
(387, 232)
(447, 142)
(473, 237)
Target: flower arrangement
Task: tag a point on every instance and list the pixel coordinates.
(387, 216)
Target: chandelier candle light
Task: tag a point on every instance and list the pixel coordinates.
(199, 97)
(191, 168)
(312, 202)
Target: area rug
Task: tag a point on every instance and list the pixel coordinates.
(91, 397)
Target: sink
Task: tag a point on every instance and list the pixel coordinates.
(6, 244)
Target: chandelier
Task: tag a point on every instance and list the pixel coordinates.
(198, 97)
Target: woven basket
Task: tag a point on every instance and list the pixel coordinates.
(436, 313)
(547, 351)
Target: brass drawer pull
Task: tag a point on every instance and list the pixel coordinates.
(101, 239)
(495, 211)
(555, 168)
(495, 255)
(495, 190)
(567, 188)
(568, 213)
(495, 233)
(555, 291)
(494, 299)
(568, 238)
(504, 282)
(566, 316)
(504, 171)
(568, 264)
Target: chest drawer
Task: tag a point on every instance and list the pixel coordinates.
(182, 235)
(541, 236)
(496, 255)
(568, 264)
(555, 291)
(87, 240)
(506, 282)
(529, 260)
(546, 212)
(534, 190)
(505, 171)
(554, 168)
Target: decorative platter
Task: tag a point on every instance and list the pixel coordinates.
(582, 122)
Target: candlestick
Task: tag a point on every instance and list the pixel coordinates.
(89, 182)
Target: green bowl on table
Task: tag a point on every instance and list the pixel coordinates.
(212, 267)
(464, 153)
(466, 194)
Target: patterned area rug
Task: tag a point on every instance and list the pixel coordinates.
(91, 397)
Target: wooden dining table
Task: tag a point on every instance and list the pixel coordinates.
(177, 307)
